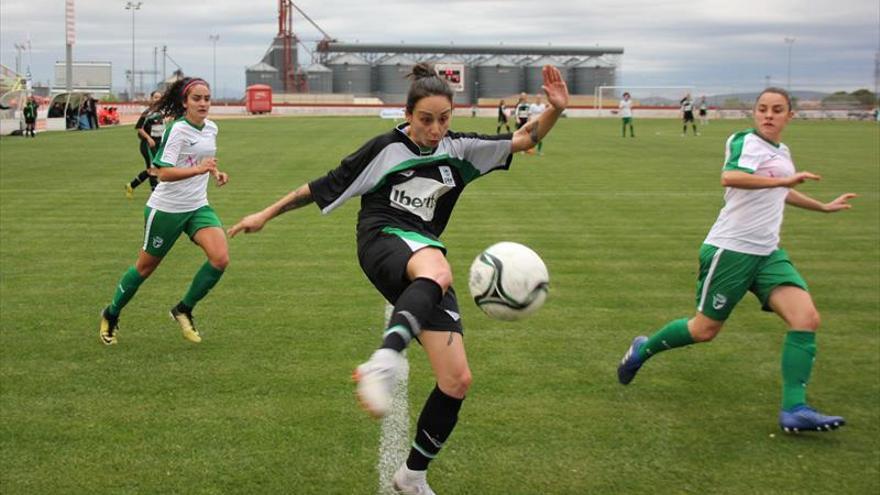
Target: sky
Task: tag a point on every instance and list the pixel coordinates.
(719, 46)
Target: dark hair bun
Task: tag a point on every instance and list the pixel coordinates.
(422, 70)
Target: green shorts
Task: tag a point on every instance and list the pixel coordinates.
(627, 120)
(161, 229)
(726, 275)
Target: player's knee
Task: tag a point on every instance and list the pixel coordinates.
(705, 331)
(807, 320)
(458, 384)
(220, 262)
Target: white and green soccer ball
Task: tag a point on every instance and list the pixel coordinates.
(509, 281)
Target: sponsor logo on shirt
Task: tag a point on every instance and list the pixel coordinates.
(446, 175)
(418, 196)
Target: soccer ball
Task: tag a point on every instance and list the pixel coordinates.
(508, 281)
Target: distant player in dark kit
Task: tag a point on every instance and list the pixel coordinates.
(687, 115)
(409, 180)
(704, 111)
(150, 128)
(521, 111)
(502, 118)
(30, 116)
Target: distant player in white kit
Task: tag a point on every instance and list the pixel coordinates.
(536, 109)
(626, 113)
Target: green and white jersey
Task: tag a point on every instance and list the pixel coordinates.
(751, 219)
(626, 108)
(184, 145)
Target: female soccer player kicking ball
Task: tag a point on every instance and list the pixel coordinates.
(410, 179)
(741, 253)
(185, 160)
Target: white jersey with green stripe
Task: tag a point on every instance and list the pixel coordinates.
(751, 219)
(184, 145)
(408, 188)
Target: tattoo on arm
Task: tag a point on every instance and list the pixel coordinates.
(301, 197)
(533, 134)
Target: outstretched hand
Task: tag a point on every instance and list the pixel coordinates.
(801, 177)
(248, 225)
(840, 203)
(554, 87)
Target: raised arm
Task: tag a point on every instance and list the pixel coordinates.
(291, 201)
(557, 97)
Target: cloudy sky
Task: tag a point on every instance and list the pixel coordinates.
(715, 45)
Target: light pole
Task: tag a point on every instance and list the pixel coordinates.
(132, 6)
(214, 38)
(789, 41)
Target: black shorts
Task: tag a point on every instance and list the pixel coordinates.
(688, 117)
(702, 112)
(521, 122)
(383, 259)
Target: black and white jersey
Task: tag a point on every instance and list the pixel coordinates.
(687, 105)
(408, 188)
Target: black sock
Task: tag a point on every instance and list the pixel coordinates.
(435, 424)
(183, 308)
(140, 178)
(410, 311)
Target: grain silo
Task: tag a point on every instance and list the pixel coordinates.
(392, 84)
(263, 73)
(498, 76)
(592, 73)
(534, 76)
(319, 78)
(351, 74)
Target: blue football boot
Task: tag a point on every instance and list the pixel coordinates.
(805, 418)
(631, 363)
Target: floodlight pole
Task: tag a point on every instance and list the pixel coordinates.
(214, 38)
(789, 41)
(132, 6)
(70, 38)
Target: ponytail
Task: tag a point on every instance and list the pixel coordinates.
(425, 82)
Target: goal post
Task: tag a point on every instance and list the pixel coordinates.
(657, 96)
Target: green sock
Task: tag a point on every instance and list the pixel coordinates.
(206, 278)
(125, 290)
(540, 146)
(798, 354)
(674, 334)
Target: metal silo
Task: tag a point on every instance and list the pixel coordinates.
(319, 79)
(535, 77)
(263, 73)
(392, 85)
(351, 74)
(592, 73)
(498, 77)
(466, 96)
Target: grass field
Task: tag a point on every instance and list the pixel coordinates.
(265, 405)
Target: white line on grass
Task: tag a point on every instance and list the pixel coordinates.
(394, 436)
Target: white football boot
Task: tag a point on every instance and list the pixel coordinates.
(376, 380)
(409, 482)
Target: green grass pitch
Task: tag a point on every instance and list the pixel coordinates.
(265, 403)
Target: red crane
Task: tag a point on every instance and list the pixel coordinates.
(294, 81)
